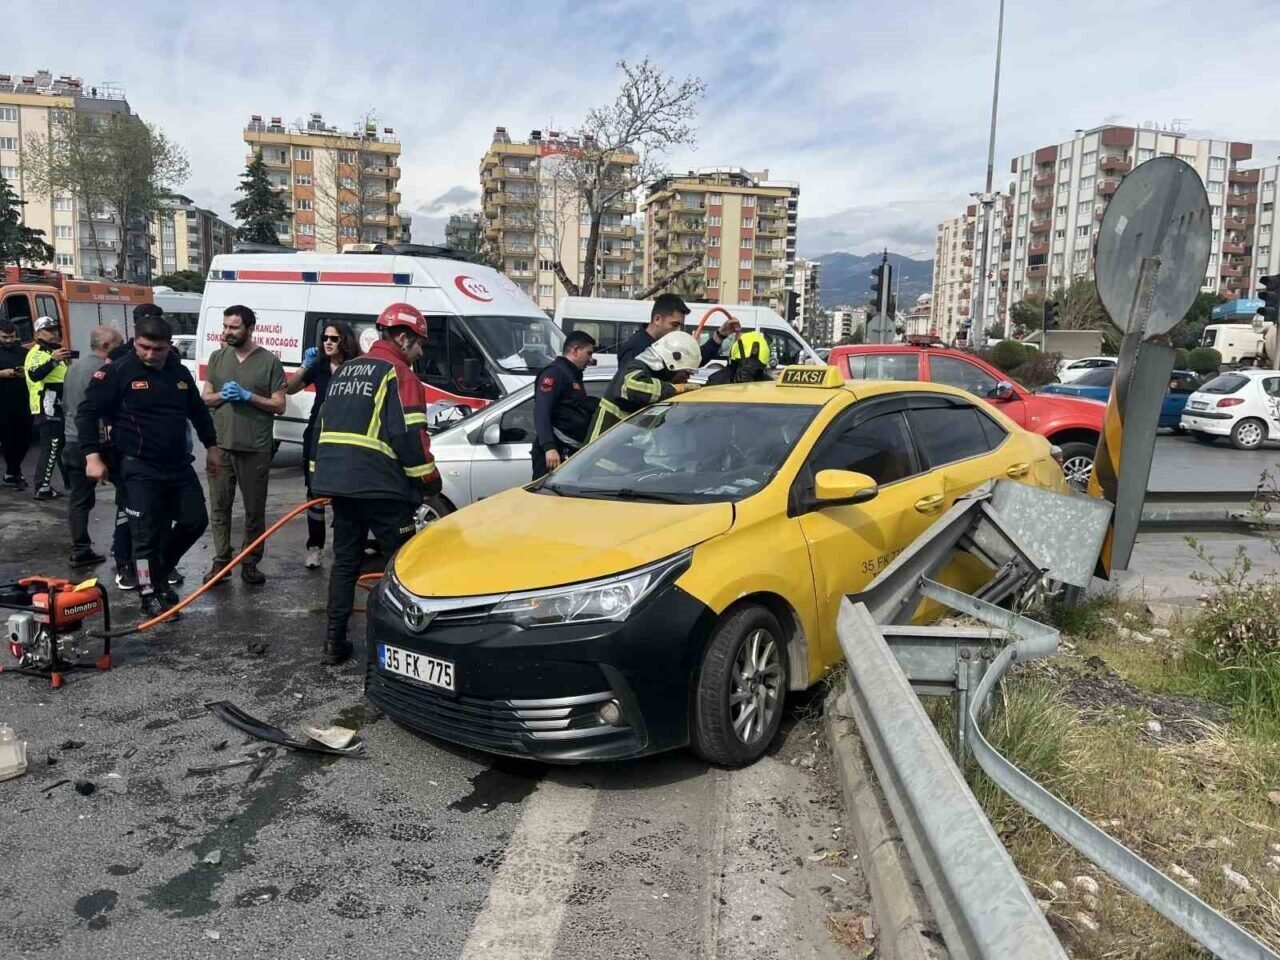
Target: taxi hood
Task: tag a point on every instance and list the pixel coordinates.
(520, 540)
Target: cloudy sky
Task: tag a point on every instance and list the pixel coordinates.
(879, 110)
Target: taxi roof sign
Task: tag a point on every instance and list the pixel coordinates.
(826, 377)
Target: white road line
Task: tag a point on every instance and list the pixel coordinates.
(526, 904)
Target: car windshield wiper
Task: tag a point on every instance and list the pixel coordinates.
(631, 493)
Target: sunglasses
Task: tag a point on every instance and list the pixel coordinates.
(330, 339)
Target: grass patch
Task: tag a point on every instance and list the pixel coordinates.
(1193, 797)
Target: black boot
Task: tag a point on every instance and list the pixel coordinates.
(337, 648)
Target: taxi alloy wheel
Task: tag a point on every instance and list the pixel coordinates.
(741, 689)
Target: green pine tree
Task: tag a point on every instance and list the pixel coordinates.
(18, 242)
(262, 207)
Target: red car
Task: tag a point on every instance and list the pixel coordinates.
(1072, 423)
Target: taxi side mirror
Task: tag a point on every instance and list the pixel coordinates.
(837, 488)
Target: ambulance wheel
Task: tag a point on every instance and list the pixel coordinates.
(741, 689)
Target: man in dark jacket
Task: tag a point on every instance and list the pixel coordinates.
(15, 406)
(659, 373)
(667, 316)
(562, 411)
(148, 397)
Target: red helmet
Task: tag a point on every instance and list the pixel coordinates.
(403, 315)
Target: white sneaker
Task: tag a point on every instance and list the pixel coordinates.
(313, 558)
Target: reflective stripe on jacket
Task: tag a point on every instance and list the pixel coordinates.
(44, 374)
(632, 388)
(372, 440)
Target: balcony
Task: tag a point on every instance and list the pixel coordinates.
(1242, 200)
(683, 225)
(1237, 223)
(393, 197)
(1227, 270)
(1004, 274)
(1243, 176)
(519, 173)
(1038, 271)
(1038, 249)
(517, 247)
(1040, 226)
(518, 274)
(1117, 137)
(1234, 248)
(1043, 179)
(1041, 204)
(276, 161)
(967, 261)
(1107, 187)
(1100, 212)
(1115, 164)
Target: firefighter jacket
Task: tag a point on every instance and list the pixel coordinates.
(147, 409)
(373, 441)
(45, 377)
(633, 387)
(562, 410)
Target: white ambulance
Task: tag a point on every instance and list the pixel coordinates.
(486, 337)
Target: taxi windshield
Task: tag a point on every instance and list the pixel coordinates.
(686, 453)
(518, 344)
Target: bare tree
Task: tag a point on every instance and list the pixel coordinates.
(114, 163)
(351, 187)
(619, 146)
(690, 288)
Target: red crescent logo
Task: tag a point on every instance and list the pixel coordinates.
(473, 288)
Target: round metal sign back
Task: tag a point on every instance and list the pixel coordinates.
(1159, 215)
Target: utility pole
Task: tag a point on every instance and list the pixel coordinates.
(977, 332)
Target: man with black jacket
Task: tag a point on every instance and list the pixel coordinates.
(562, 411)
(148, 397)
(15, 406)
(667, 316)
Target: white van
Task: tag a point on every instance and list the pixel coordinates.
(486, 337)
(1238, 343)
(182, 310)
(612, 322)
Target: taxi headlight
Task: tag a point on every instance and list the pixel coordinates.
(611, 599)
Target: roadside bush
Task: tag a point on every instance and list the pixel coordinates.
(1181, 357)
(1204, 360)
(1038, 369)
(1008, 355)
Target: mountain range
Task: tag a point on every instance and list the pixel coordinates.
(845, 278)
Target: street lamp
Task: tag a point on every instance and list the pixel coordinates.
(977, 332)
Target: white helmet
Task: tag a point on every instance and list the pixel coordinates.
(675, 351)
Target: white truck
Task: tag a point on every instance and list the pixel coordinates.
(1240, 344)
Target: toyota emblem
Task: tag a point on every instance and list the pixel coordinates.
(417, 619)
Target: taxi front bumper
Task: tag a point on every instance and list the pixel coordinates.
(539, 692)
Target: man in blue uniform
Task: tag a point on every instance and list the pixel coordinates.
(562, 411)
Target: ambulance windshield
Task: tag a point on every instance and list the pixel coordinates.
(518, 344)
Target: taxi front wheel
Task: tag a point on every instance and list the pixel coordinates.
(741, 689)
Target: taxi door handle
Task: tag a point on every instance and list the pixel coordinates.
(930, 503)
(1019, 470)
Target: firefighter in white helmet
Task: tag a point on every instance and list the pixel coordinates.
(658, 373)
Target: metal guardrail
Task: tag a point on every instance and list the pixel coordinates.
(978, 897)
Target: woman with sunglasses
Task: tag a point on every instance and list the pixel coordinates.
(337, 345)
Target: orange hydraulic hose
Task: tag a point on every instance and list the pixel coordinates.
(188, 600)
(703, 322)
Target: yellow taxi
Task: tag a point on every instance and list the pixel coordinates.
(672, 581)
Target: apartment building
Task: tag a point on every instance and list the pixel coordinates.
(463, 231)
(185, 236)
(343, 187)
(1059, 194)
(841, 322)
(86, 243)
(534, 219)
(953, 275)
(918, 321)
(742, 224)
(1260, 256)
(807, 287)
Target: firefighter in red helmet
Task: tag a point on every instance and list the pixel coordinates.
(373, 458)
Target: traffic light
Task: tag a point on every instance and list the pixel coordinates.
(882, 282)
(1050, 321)
(1269, 294)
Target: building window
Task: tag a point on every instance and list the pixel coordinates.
(302, 153)
(305, 205)
(744, 284)
(1026, 174)
(282, 228)
(744, 264)
(1059, 234)
(1022, 223)
(746, 243)
(1217, 164)
(8, 143)
(1082, 208)
(713, 221)
(346, 156)
(1086, 183)
(1088, 158)
(1064, 187)
(1215, 186)
(65, 204)
(1060, 212)
(714, 198)
(306, 229)
(748, 223)
(302, 179)
(349, 232)
(9, 173)
(713, 241)
(546, 289)
(1082, 231)
(1064, 163)
(1215, 211)
(1264, 251)
(1145, 153)
(347, 183)
(62, 232)
(713, 261)
(748, 201)
(65, 260)
(1264, 230)
(9, 114)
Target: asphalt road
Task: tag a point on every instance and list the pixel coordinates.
(1181, 464)
(423, 849)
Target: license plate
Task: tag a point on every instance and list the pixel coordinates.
(1199, 404)
(416, 666)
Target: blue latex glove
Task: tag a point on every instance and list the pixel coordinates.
(310, 356)
(234, 393)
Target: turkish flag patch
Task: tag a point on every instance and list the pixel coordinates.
(140, 385)
(547, 384)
